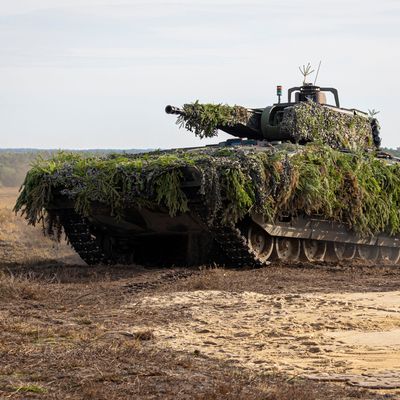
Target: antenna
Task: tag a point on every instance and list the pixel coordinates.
(373, 112)
(316, 76)
(305, 71)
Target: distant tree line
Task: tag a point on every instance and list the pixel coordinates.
(14, 164)
(395, 152)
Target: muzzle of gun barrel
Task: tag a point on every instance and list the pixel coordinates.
(173, 110)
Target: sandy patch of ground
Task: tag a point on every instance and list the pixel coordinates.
(352, 337)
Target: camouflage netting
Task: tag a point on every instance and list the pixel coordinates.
(311, 122)
(357, 189)
(204, 119)
(305, 122)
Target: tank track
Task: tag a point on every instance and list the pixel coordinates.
(234, 247)
(231, 246)
(76, 229)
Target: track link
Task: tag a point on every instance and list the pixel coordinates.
(232, 248)
(78, 234)
(235, 248)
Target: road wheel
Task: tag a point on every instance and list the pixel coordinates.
(287, 249)
(314, 250)
(260, 242)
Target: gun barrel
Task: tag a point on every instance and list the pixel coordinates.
(174, 110)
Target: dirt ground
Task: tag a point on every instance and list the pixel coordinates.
(282, 332)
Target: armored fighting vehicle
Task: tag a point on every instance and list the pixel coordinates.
(301, 179)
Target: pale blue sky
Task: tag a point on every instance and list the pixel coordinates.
(98, 73)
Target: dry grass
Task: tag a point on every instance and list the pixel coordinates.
(236, 388)
(8, 196)
(23, 244)
(74, 342)
(100, 367)
(6, 217)
(64, 334)
(19, 287)
(297, 278)
(208, 279)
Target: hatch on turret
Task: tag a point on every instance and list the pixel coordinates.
(310, 92)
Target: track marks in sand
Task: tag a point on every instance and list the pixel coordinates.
(319, 336)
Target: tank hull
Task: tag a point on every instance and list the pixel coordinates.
(238, 204)
(152, 237)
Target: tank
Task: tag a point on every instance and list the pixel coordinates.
(301, 179)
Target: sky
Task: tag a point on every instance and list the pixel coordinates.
(84, 74)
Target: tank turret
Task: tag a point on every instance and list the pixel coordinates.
(304, 118)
